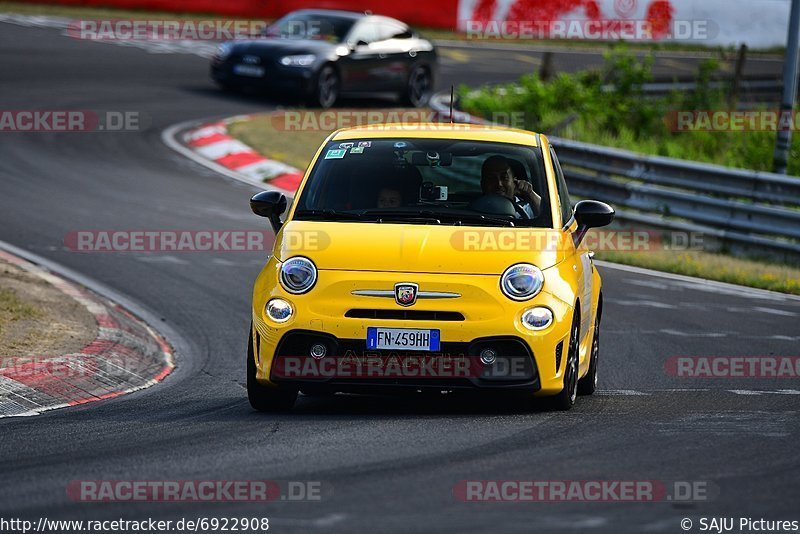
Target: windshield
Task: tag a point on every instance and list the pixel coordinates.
(311, 26)
(428, 181)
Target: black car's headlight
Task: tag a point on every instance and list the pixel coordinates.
(304, 60)
(298, 275)
(522, 281)
(223, 51)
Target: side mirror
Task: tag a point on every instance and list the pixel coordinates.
(269, 204)
(591, 214)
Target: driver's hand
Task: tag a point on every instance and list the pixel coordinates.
(524, 189)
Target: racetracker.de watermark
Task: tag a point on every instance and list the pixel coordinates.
(607, 491)
(726, 120)
(202, 491)
(733, 367)
(175, 240)
(330, 120)
(71, 120)
(591, 30)
(165, 29)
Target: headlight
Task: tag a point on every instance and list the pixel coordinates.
(298, 61)
(298, 275)
(537, 318)
(522, 281)
(278, 310)
(223, 50)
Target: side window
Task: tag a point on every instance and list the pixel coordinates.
(364, 31)
(392, 30)
(563, 194)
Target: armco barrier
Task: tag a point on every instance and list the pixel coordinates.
(757, 213)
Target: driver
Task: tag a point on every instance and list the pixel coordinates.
(497, 178)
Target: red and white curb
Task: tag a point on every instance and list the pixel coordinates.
(126, 356)
(210, 144)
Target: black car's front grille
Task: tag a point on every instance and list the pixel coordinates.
(404, 315)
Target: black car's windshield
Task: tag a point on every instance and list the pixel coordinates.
(428, 181)
(311, 26)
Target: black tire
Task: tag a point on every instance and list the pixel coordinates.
(326, 88)
(262, 398)
(566, 399)
(588, 384)
(418, 87)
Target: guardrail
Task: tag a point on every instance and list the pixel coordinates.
(748, 212)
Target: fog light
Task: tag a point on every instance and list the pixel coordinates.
(279, 310)
(537, 318)
(488, 356)
(318, 351)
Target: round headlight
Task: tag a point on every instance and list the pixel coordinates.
(223, 50)
(537, 318)
(278, 310)
(298, 275)
(522, 281)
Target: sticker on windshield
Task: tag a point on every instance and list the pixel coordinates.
(400, 144)
(335, 153)
(357, 150)
(365, 144)
(346, 145)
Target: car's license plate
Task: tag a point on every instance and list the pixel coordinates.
(402, 338)
(248, 70)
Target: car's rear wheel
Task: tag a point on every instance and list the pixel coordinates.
(588, 384)
(419, 87)
(566, 399)
(262, 398)
(326, 91)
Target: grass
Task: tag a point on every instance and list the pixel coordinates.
(12, 308)
(720, 267)
(431, 33)
(298, 148)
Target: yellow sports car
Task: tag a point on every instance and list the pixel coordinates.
(427, 258)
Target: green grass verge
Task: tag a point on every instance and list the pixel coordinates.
(580, 106)
(12, 308)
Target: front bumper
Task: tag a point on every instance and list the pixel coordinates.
(277, 79)
(488, 319)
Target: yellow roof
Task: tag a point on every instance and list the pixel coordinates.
(439, 130)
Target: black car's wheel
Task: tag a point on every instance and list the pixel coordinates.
(566, 399)
(419, 87)
(588, 384)
(326, 91)
(262, 398)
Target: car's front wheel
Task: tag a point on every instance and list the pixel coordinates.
(566, 399)
(262, 398)
(419, 87)
(326, 91)
(588, 384)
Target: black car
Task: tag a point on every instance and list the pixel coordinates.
(324, 54)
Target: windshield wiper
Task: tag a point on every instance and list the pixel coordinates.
(329, 214)
(491, 221)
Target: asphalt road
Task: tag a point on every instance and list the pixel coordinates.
(391, 463)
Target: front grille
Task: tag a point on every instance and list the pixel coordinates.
(405, 315)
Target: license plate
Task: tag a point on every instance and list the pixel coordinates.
(248, 70)
(402, 338)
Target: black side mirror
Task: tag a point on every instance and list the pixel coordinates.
(591, 214)
(269, 204)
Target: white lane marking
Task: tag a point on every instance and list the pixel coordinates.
(643, 303)
(678, 333)
(773, 311)
(162, 259)
(623, 393)
(710, 285)
(764, 391)
(648, 283)
(727, 423)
